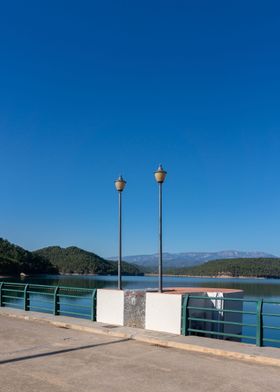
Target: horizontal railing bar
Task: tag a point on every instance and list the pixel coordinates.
(271, 340)
(11, 296)
(68, 288)
(75, 305)
(233, 299)
(45, 286)
(17, 291)
(222, 298)
(232, 335)
(271, 314)
(74, 288)
(39, 293)
(12, 304)
(42, 292)
(40, 307)
(41, 300)
(79, 314)
(222, 310)
(271, 327)
(59, 295)
(221, 322)
(72, 296)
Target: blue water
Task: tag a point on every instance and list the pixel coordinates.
(264, 288)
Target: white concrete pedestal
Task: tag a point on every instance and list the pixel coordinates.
(110, 306)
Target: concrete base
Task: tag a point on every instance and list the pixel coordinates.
(110, 306)
(163, 312)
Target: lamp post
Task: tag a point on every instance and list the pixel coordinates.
(120, 185)
(160, 175)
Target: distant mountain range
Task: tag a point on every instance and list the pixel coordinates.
(188, 259)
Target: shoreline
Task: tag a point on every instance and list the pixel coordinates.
(212, 277)
(147, 275)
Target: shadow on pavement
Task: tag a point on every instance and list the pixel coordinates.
(67, 350)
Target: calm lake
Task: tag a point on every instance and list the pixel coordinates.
(267, 289)
(253, 288)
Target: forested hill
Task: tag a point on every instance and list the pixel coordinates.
(15, 260)
(244, 267)
(76, 260)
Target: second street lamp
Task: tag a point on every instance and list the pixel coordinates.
(120, 185)
(160, 175)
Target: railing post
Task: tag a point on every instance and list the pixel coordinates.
(1, 295)
(185, 315)
(26, 298)
(93, 305)
(56, 301)
(259, 328)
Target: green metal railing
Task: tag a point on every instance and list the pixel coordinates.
(263, 312)
(58, 300)
(248, 320)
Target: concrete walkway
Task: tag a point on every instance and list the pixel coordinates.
(37, 356)
(221, 348)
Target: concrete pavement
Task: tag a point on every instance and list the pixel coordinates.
(36, 356)
(222, 348)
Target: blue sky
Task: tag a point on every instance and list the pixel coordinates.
(92, 89)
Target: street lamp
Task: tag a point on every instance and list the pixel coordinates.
(120, 185)
(160, 175)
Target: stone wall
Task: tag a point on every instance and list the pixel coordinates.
(134, 308)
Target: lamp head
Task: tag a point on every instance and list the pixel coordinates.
(120, 184)
(160, 174)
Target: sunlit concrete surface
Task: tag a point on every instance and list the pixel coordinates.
(40, 357)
